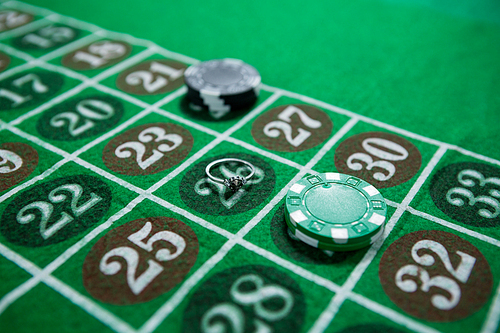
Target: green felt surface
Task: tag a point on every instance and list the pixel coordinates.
(427, 66)
(414, 75)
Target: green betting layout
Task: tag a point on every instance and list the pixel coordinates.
(109, 222)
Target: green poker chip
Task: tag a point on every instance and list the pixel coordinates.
(335, 209)
(300, 236)
(332, 241)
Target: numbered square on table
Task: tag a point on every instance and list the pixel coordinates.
(248, 291)
(217, 121)
(291, 129)
(195, 192)
(464, 191)
(97, 56)
(389, 161)
(46, 38)
(150, 79)
(159, 250)
(21, 160)
(13, 18)
(26, 93)
(432, 273)
(56, 212)
(273, 234)
(147, 150)
(80, 119)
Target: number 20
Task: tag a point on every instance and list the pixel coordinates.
(83, 110)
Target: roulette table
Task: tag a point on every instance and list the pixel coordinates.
(108, 221)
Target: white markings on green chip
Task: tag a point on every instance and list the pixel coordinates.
(332, 176)
(297, 217)
(377, 219)
(339, 236)
(297, 188)
(336, 210)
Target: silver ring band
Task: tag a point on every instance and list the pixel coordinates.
(234, 183)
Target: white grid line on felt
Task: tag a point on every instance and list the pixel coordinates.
(336, 303)
(65, 256)
(56, 100)
(27, 8)
(122, 95)
(16, 32)
(476, 155)
(33, 180)
(62, 70)
(334, 288)
(444, 223)
(307, 99)
(162, 313)
(123, 65)
(284, 263)
(159, 316)
(50, 15)
(19, 54)
(490, 325)
(390, 314)
(85, 84)
(200, 153)
(453, 226)
(316, 158)
(380, 124)
(15, 70)
(67, 48)
(127, 123)
(25, 287)
(102, 314)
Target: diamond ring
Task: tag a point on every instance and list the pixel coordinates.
(236, 182)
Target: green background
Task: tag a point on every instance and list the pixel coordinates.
(427, 67)
(431, 67)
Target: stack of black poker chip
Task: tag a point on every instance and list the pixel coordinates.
(222, 85)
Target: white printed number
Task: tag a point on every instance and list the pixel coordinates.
(49, 36)
(233, 315)
(449, 285)
(88, 112)
(46, 208)
(11, 19)
(131, 256)
(100, 53)
(36, 86)
(200, 189)
(273, 128)
(469, 179)
(157, 134)
(394, 152)
(7, 156)
(148, 80)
